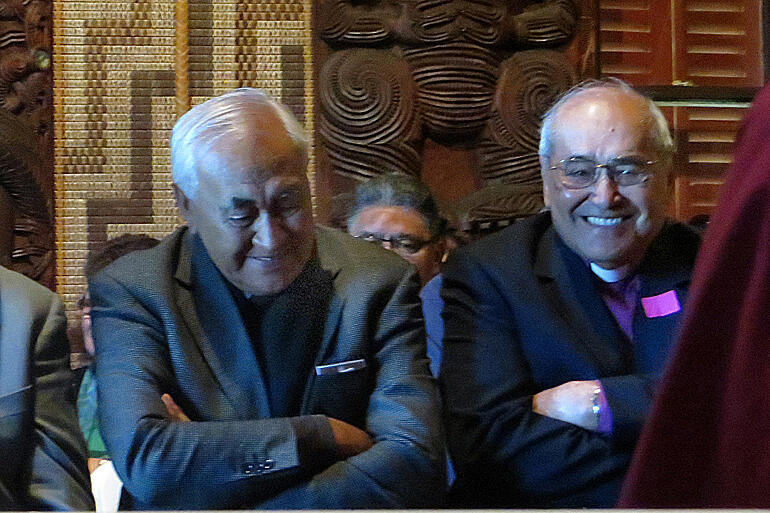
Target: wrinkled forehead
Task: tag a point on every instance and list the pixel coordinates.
(603, 124)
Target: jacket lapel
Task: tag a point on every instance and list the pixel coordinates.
(215, 323)
(330, 270)
(569, 288)
(663, 270)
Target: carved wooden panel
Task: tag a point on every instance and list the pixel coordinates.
(371, 118)
(26, 130)
(449, 90)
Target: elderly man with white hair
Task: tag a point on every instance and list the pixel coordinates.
(557, 328)
(252, 359)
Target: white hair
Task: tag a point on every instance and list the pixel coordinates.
(224, 115)
(659, 131)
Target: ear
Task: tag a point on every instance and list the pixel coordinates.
(182, 203)
(544, 164)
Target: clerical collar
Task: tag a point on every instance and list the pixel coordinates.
(611, 275)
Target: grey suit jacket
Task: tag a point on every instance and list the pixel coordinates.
(43, 452)
(165, 322)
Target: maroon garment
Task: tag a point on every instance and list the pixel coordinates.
(707, 442)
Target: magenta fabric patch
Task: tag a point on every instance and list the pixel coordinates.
(661, 305)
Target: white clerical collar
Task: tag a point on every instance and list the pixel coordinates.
(611, 275)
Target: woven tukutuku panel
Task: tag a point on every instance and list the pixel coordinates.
(114, 105)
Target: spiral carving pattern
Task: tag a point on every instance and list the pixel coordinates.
(504, 164)
(369, 121)
(455, 84)
(530, 82)
(339, 21)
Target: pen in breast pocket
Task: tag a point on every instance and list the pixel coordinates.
(340, 367)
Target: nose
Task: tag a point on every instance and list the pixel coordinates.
(606, 192)
(269, 231)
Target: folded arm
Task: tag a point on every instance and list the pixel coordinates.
(488, 392)
(406, 465)
(288, 461)
(196, 464)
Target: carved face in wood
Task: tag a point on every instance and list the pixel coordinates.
(404, 231)
(252, 208)
(608, 224)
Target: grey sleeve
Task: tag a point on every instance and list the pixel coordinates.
(406, 466)
(59, 477)
(184, 465)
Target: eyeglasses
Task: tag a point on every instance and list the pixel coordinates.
(408, 245)
(579, 173)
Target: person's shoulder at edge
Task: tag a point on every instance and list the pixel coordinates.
(13, 280)
(677, 244)
(510, 246)
(149, 264)
(357, 257)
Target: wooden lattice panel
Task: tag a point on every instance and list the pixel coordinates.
(706, 136)
(635, 40)
(114, 104)
(682, 42)
(719, 42)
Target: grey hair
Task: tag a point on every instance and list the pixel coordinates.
(398, 190)
(221, 116)
(658, 128)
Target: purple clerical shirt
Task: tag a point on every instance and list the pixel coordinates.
(621, 297)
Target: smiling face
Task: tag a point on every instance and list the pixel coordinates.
(252, 208)
(604, 223)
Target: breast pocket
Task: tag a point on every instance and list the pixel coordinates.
(343, 396)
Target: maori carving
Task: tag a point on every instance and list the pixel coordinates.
(473, 74)
(33, 251)
(495, 207)
(530, 81)
(454, 97)
(26, 98)
(371, 122)
(356, 24)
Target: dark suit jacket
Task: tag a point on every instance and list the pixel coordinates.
(522, 315)
(164, 321)
(42, 451)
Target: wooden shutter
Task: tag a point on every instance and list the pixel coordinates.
(705, 137)
(718, 42)
(692, 42)
(635, 41)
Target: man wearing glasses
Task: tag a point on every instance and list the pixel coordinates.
(558, 327)
(397, 211)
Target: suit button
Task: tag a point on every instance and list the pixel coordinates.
(248, 468)
(269, 464)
